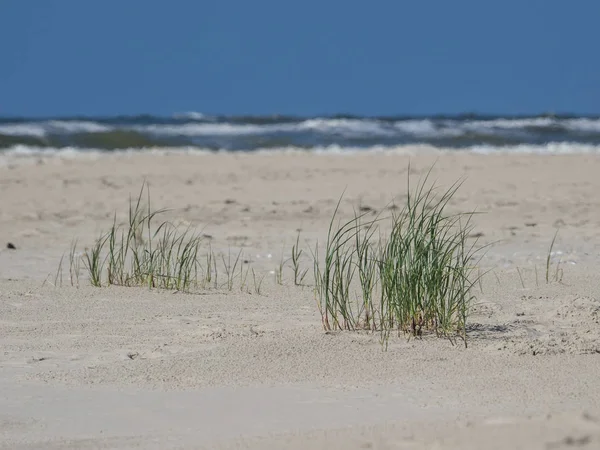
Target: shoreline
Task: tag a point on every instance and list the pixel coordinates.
(334, 150)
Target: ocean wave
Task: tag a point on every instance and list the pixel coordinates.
(346, 127)
(428, 129)
(583, 124)
(350, 128)
(511, 124)
(210, 129)
(63, 126)
(23, 129)
(417, 127)
(42, 129)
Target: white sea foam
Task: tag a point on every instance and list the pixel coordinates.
(346, 127)
(583, 124)
(210, 129)
(23, 151)
(426, 129)
(27, 151)
(23, 129)
(25, 154)
(416, 127)
(71, 126)
(41, 129)
(508, 123)
(552, 148)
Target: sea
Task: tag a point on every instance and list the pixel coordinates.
(197, 132)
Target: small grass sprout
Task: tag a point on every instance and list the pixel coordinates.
(279, 270)
(230, 268)
(558, 273)
(299, 273)
(257, 282)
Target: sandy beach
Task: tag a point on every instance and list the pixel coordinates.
(129, 367)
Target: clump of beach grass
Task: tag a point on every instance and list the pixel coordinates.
(139, 254)
(146, 251)
(417, 277)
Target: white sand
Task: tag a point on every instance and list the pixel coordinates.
(132, 368)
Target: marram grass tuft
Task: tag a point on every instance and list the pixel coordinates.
(416, 277)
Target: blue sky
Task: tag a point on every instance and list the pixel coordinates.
(72, 57)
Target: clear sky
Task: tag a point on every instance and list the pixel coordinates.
(105, 57)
